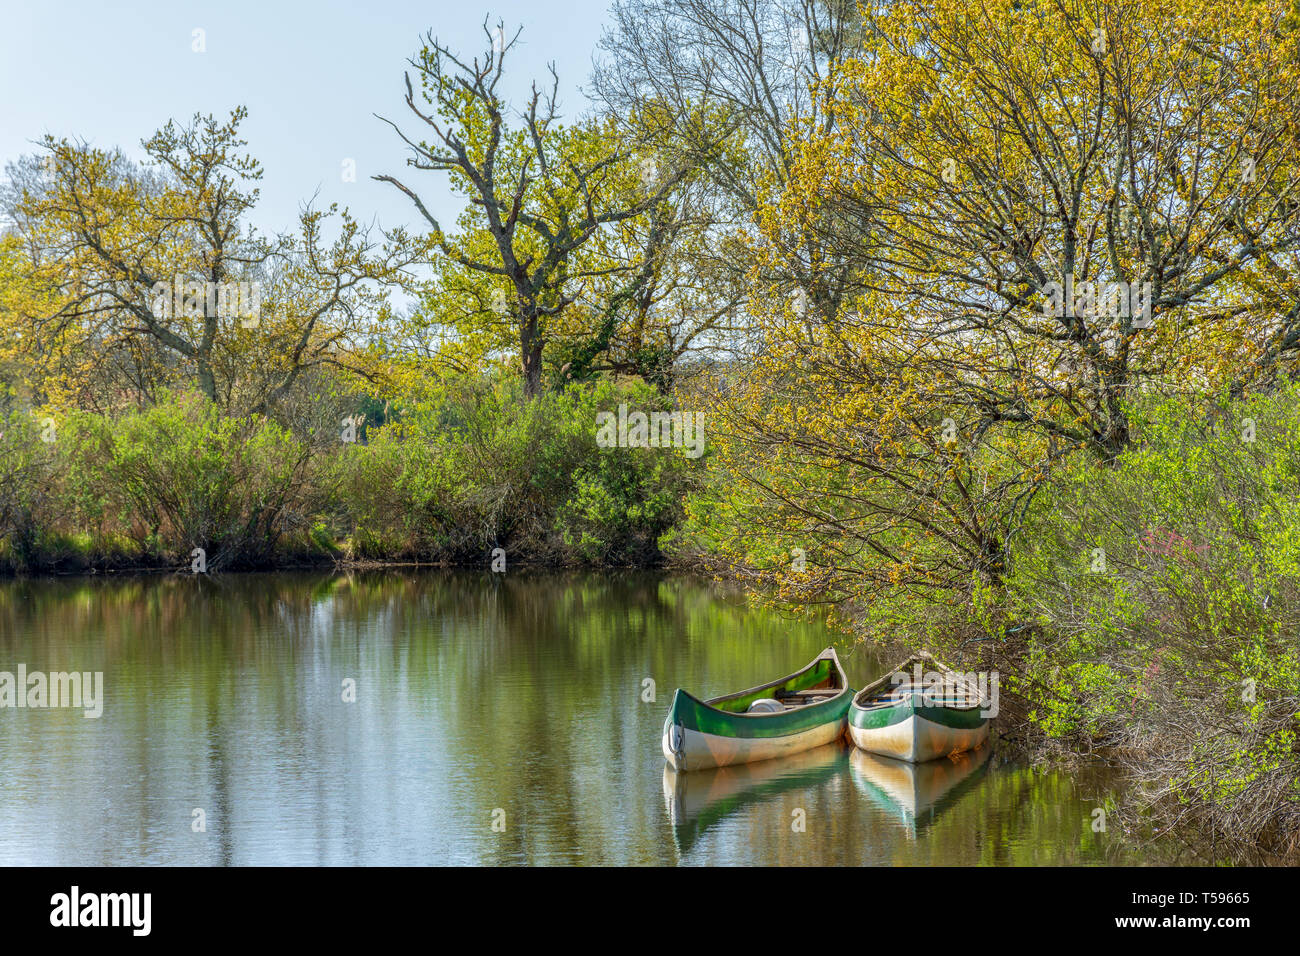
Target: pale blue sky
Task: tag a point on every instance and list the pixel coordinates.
(311, 74)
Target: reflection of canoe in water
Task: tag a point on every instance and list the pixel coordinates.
(917, 792)
(897, 717)
(699, 800)
(794, 713)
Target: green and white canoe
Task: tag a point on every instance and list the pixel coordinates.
(795, 713)
(914, 722)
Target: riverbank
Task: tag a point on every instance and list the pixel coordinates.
(468, 477)
(70, 564)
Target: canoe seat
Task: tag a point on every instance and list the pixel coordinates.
(765, 705)
(793, 699)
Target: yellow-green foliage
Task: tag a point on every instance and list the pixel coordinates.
(1165, 594)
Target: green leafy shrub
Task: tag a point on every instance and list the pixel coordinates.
(29, 512)
(1164, 599)
(477, 467)
(180, 476)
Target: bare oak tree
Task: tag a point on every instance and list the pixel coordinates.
(540, 192)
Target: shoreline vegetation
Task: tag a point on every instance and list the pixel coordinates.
(986, 347)
(474, 478)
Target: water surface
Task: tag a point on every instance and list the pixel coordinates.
(515, 700)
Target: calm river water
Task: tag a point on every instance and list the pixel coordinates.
(513, 700)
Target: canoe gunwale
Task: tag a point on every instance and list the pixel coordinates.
(867, 719)
(827, 654)
(910, 702)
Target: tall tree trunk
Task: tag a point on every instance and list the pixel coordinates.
(207, 381)
(530, 352)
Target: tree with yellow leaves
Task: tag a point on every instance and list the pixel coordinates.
(149, 276)
(1032, 210)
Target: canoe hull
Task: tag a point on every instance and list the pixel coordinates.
(916, 737)
(700, 751)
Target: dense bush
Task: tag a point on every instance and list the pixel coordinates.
(181, 476)
(468, 469)
(28, 510)
(1162, 596)
(476, 467)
